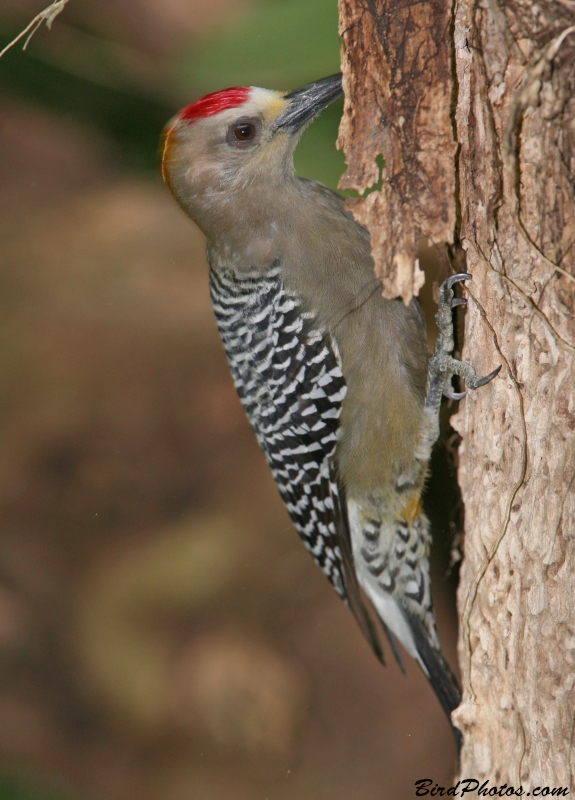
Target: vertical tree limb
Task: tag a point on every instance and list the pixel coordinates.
(514, 119)
(516, 127)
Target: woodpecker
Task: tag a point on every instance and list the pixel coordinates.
(336, 380)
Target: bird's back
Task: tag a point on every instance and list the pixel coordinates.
(382, 343)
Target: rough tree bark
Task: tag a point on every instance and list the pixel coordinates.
(473, 111)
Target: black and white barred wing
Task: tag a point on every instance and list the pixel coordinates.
(289, 380)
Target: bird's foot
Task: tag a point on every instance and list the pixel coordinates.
(442, 365)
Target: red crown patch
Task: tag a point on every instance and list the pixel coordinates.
(213, 103)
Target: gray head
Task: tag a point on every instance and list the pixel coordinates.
(218, 148)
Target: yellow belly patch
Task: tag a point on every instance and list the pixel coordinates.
(412, 510)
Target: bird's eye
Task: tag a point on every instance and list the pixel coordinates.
(244, 132)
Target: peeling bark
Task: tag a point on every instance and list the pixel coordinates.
(398, 90)
(515, 127)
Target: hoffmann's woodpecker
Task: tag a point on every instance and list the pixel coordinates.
(336, 381)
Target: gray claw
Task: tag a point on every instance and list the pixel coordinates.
(458, 301)
(455, 395)
(460, 276)
(482, 381)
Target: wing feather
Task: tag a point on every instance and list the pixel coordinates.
(289, 379)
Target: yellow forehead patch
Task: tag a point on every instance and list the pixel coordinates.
(270, 103)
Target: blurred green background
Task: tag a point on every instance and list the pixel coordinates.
(163, 633)
(128, 95)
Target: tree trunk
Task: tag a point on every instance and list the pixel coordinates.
(510, 211)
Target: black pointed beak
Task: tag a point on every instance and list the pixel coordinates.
(306, 103)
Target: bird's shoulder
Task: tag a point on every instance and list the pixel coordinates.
(331, 201)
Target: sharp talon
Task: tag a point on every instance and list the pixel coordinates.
(455, 395)
(460, 276)
(458, 301)
(487, 378)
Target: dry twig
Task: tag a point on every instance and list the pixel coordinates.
(48, 15)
